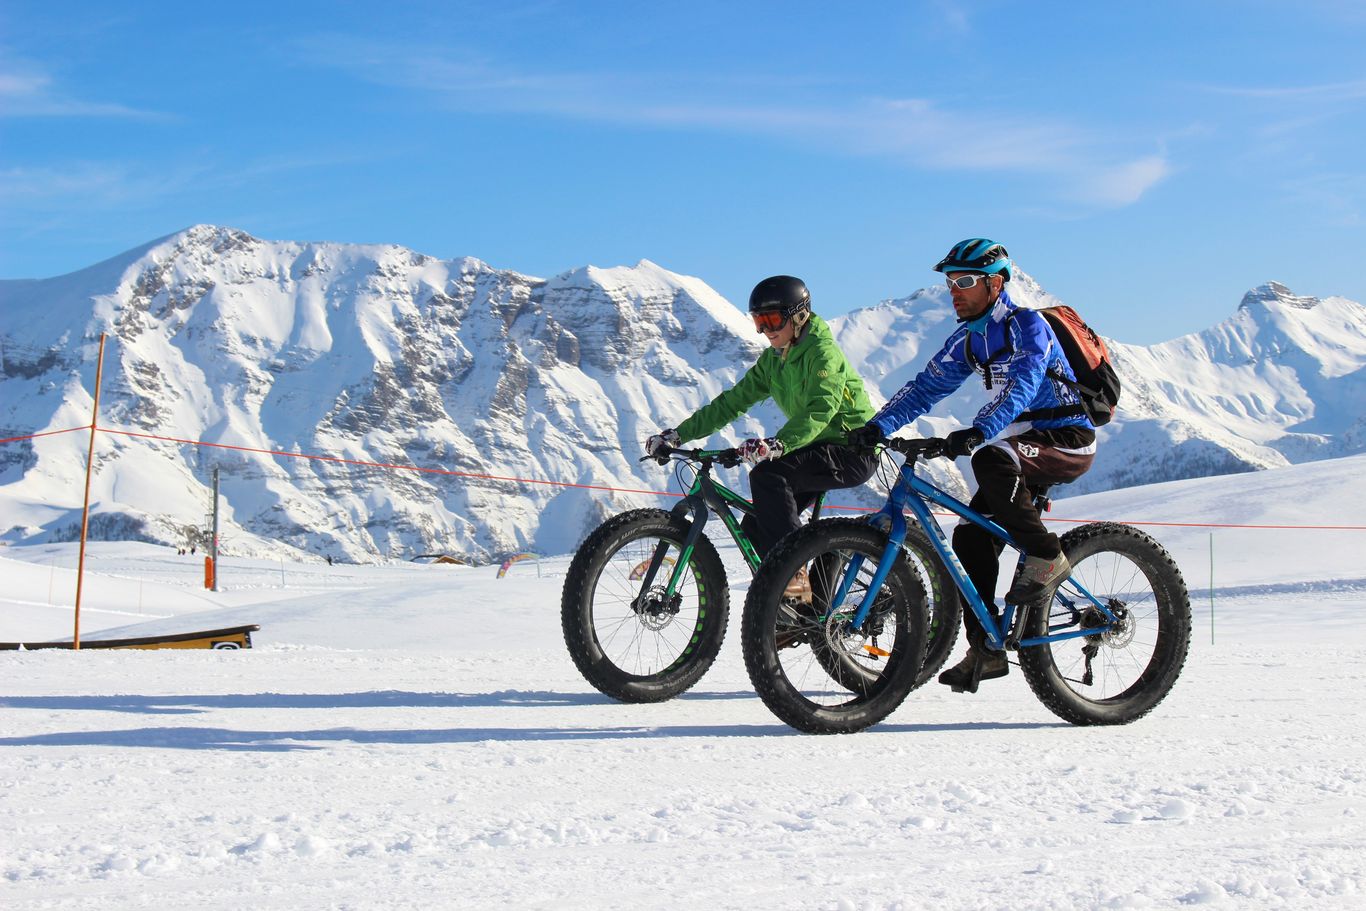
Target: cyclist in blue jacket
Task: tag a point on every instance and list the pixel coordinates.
(1036, 423)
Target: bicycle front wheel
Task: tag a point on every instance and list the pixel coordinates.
(807, 662)
(945, 603)
(640, 645)
(1120, 674)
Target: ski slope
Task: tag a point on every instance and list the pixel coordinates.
(408, 736)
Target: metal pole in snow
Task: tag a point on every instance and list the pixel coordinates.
(85, 510)
(213, 544)
(1211, 588)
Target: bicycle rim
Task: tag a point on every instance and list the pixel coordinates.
(1122, 668)
(652, 641)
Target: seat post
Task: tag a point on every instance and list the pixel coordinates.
(1042, 502)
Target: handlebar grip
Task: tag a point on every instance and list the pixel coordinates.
(927, 448)
(728, 458)
(660, 456)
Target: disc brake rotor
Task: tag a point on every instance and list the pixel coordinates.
(1122, 633)
(846, 640)
(655, 613)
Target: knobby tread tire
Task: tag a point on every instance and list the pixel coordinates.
(758, 639)
(946, 605)
(577, 604)
(1173, 635)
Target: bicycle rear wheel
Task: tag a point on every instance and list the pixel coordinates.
(641, 646)
(1121, 674)
(809, 666)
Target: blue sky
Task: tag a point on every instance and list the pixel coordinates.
(1148, 163)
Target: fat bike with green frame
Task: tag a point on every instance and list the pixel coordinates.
(646, 603)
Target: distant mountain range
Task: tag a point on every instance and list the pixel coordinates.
(380, 354)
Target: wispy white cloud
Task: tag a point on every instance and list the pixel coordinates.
(28, 92)
(954, 15)
(1339, 198)
(110, 185)
(916, 132)
(1325, 93)
(88, 184)
(1126, 183)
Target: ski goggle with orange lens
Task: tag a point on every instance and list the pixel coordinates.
(769, 320)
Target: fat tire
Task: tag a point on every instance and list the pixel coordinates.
(946, 604)
(945, 608)
(869, 700)
(577, 605)
(1171, 608)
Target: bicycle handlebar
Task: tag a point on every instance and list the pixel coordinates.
(928, 448)
(726, 458)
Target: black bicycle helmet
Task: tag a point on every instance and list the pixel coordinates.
(780, 292)
(977, 254)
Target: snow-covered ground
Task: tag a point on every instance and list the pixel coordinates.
(415, 736)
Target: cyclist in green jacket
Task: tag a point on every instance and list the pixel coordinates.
(810, 379)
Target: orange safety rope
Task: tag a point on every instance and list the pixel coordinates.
(659, 493)
(46, 433)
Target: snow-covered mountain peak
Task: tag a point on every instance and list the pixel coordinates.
(1276, 294)
(378, 353)
(373, 352)
(646, 284)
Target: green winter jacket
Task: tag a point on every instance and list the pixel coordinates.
(814, 386)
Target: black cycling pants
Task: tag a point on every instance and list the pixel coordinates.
(783, 487)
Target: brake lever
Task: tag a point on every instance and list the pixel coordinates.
(729, 458)
(659, 458)
(934, 447)
(926, 448)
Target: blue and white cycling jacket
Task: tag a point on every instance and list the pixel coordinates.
(1013, 349)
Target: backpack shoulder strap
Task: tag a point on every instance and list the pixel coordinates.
(1004, 351)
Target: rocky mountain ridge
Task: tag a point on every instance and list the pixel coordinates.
(378, 354)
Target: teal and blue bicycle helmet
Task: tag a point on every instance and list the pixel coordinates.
(977, 254)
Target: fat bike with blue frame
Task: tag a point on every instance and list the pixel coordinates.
(1106, 648)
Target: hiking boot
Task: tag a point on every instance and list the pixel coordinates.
(1037, 578)
(799, 587)
(975, 667)
(796, 616)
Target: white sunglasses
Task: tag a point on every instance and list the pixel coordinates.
(965, 282)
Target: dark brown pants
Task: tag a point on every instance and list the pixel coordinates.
(1007, 473)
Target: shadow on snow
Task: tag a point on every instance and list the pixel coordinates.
(202, 738)
(190, 704)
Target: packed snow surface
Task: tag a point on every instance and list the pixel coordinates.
(409, 736)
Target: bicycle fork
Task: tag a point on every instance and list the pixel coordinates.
(643, 601)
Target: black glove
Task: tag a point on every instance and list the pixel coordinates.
(866, 437)
(962, 442)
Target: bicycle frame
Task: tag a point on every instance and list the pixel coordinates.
(704, 497)
(916, 494)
